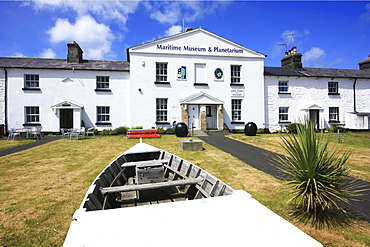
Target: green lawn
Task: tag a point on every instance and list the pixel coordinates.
(40, 188)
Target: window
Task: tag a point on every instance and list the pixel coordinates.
(200, 74)
(333, 114)
(161, 110)
(283, 114)
(161, 72)
(32, 114)
(235, 73)
(236, 109)
(31, 81)
(102, 114)
(102, 82)
(333, 87)
(283, 87)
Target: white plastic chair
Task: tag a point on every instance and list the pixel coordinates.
(36, 132)
(82, 132)
(74, 133)
(90, 131)
(64, 133)
(12, 134)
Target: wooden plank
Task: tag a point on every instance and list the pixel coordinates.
(150, 186)
(144, 163)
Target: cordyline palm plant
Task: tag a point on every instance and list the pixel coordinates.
(318, 177)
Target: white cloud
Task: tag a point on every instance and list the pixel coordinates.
(314, 57)
(173, 30)
(366, 16)
(18, 54)
(175, 11)
(117, 11)
(48, 53)
(95, 39)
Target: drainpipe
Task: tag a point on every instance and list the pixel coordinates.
(354, 95)
(6, 102)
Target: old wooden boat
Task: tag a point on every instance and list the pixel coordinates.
(149, 197)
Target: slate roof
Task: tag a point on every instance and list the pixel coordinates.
(318, 72)
(41, 63)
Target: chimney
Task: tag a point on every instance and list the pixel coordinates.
(292, 60)
(365, 64)
(74, 53)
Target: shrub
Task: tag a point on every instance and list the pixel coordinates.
(293, 128)
(317, 177)
(122, 130)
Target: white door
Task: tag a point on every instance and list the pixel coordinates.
(211, 114)
(193, 112)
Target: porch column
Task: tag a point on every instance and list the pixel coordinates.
(184, 114)
(220, 117)
(203, 119)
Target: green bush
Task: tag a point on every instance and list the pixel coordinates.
(122, 130)
(170, 131)
(293, 128)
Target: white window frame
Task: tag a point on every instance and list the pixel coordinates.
(31, 114)
(102, 82)
(102, 114)
(161, 72)
(235, 73)
(283, 86)
(333, 114)
(31, 81)
(236, 110)
(161, 109)
(283, 114)
(333, 87)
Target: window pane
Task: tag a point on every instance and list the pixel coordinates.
(236, 106)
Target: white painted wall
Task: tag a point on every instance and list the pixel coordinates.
(143, 71)
(79, 88)
(2, 97)
(306, 92)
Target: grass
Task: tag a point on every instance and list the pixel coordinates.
(4, 144)
(40, 188)
(357, 143)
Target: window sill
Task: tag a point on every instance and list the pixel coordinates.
(103, 90)
(285, 122)
(237, 122)
(200, 84)
(31, 89)
(103, 123)
(31, 124)
(162, 82)
(333, 93)
(237, 84)
(334, 122)
(285, 93)
(165, 123)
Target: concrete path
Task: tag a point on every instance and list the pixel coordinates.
(28, 145)
(263, 160)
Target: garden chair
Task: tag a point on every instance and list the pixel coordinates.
(36, 132)
(12, 134)
(64, 133)
(90, 131)
(74, 133)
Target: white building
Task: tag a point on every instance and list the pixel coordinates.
(195, 77)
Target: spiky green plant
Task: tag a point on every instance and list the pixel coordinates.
(317, 176)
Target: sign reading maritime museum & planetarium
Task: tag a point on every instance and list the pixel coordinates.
(198, 49)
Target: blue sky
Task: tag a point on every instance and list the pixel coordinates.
(330, 34)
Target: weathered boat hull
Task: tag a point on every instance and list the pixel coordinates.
(205, 212)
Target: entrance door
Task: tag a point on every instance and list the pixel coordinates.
(66, 118)
(193, 112)
(314, 118)
(211, 115)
